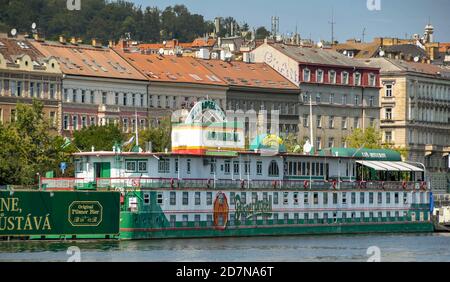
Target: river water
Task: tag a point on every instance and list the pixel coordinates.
(358, 248)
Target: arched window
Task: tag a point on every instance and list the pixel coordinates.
(274, 171)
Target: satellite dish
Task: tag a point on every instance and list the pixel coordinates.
(320, 44)
(382, 53)
(416, 59)
(33, 25)
(345, 52)
(13, 32)
(307, 147)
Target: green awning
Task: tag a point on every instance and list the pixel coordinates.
(365, 154)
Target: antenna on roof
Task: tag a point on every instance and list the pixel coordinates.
(363, 34)
(332, 23)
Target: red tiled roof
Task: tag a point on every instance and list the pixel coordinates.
(11, 48)
(201, 42)
(172, 68)
(85, 60)
(238, 73)
(443, 47)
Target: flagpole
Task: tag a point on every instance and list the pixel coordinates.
(137, 131)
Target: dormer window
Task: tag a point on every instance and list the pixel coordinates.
(345, 78)
(306, 75)
(332, 77)
(320, 76)
(357, 79)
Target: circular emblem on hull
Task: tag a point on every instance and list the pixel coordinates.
(221, 210)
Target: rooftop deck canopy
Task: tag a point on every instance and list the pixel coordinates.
(390, 166)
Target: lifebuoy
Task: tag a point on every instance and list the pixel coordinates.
(306, 184)
(362, 184)
(404, 185)
(423, 185)
(334, 183)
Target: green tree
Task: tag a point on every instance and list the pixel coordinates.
(102, 138)
(371, 139)
(29, 146)
(159, 136)
(262, 33)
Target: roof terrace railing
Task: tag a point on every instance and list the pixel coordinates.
(170, 183)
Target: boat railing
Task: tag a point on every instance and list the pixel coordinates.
(149, 183)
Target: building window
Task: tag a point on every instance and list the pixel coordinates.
(31, 91)
(345, 78)
(344, 99)
(164, 166)
(330, 142)
(357, 79)
(173, 198)
(104, 96)
(74, 95)
(388, 113)
(306, 75)
(371, 101)
(259, 168)
(319, 143)
(52, 91)
(306, 121)
(13, 87)
(331, 122)
(125, 125)
(38, 90)
(332, 77)
(389, 90)
(356, 100)
(66, 122)
(319, 122)
(133, 100)
(124, 99)
(320, 76)
(92, 121)
(83, 121)
(388, 136)
(142, 104)
(185, 198)
(356, 123)
(318, 98)
(91, 96)
(331, 99)
(116, 98)
(273, 169)
(75, 122)
(372, 80)
(188, 166)
(344, 123)
(142, 166)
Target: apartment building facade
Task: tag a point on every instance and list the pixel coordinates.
(27, 74)
(342, 92)
(415, 114)
(98, 87)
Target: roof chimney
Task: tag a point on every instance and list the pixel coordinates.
(62, 40)
(73, 40)
(94, 42)
(110, 44)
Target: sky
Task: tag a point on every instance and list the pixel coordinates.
(396, 18)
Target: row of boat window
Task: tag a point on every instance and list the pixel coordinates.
(278, 198)
(235, 167)
(296, 217)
